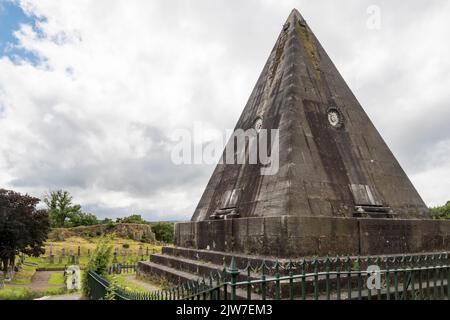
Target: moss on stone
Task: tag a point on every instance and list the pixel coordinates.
(310, 47)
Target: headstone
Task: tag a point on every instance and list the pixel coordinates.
(60, 258)
(77, 260)
(73, 278)
(115, 257)
(79, 251)
(63, 252)
(72, 259)
(52, 259)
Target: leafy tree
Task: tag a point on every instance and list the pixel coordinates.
(60, 208)
(135, 218)
(82, 219)
(441, 213)
(64, 214)
(99, 262)
(23, 228)
(163, 231)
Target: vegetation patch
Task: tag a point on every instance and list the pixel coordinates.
(18, 293)
(56, 279)
(24, 275)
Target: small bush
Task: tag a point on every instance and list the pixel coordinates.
(126, 246)
(99, 262)
(163, 231)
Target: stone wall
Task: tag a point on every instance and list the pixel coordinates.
(294, 237)
(136, 232)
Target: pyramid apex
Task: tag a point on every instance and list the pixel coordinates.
(295, 15)
(295, 11)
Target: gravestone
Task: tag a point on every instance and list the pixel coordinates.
(79, 251)
(73, 278)
(60, 259)
(63, 252)
(52, 259)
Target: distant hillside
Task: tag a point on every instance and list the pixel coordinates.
(137, 232)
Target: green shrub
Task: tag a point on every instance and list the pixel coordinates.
(441, 213)
(163, 231)
(99, 262)
(18, 293)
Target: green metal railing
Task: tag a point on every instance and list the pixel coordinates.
(404, 277)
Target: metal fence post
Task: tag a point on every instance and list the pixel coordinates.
(233, 271)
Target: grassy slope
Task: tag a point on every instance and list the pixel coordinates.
(71, 247)
(24, 276)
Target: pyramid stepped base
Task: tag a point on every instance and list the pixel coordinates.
(157, 272)
(177, 266)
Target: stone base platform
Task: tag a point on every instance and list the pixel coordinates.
(298, 237)
(205, 248)
(177, 266)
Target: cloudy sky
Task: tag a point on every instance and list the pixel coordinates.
(92, 90)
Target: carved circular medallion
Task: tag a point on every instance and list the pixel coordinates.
(335, 118)
(258, 125)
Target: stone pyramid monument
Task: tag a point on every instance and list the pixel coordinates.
(333, 161)
(338, 191)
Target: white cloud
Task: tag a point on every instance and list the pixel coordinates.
(117, 77)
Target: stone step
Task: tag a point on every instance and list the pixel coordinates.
(196, 267)
(199, 269)
(175, 277)
(157, 272)
(220, 258)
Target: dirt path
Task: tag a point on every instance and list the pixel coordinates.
(147, 285)
(40, 281)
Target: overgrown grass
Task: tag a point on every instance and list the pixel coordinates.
(55, 291)
(18, 293)
(43, 262)
(130, 247)
(127, 249)
(24, 276)
(121, 281)
(56, 279)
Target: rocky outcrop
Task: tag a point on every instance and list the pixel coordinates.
(138, 232)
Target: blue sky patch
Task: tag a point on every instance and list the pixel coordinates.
(11, 17)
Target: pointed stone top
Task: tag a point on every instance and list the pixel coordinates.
(294, 17)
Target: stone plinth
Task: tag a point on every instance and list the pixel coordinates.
(295, 237)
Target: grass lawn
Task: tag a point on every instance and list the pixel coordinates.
(126, 246)
(121, 281)
(127, 249)
(56, 279)
(24, 276)
(43, 262)
(18, 293)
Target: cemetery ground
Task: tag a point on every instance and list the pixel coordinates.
(38, 277)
